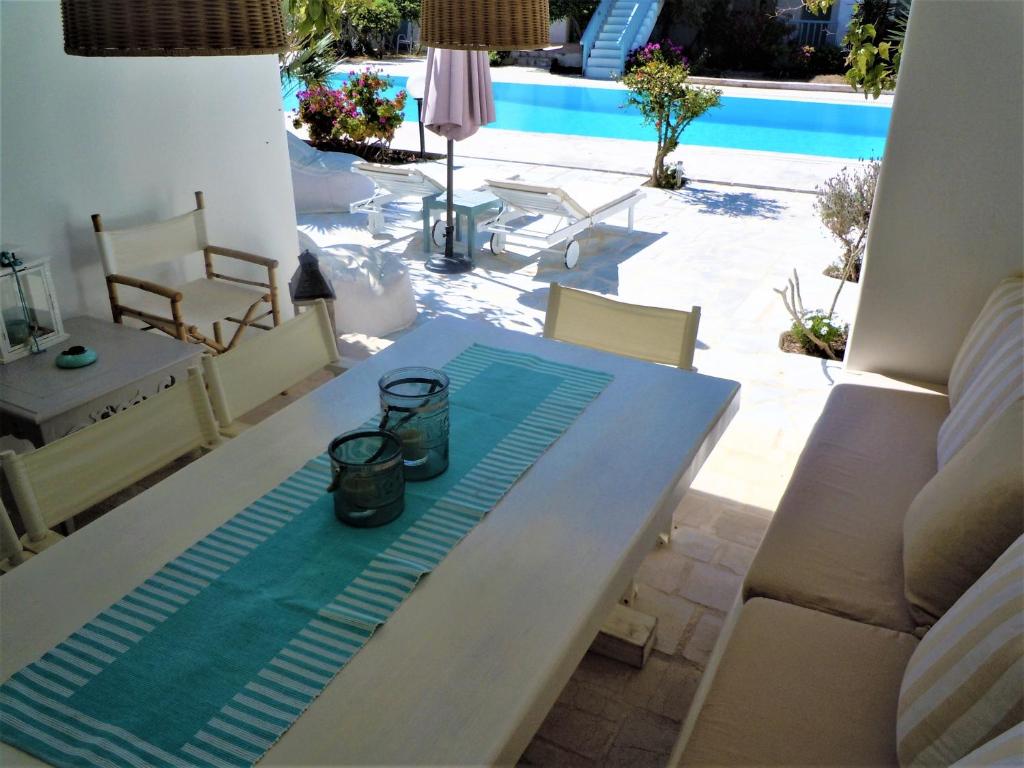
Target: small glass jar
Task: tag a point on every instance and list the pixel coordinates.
(367, 478)
(414, 405)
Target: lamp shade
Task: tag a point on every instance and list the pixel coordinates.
(485, 25)
(172, 27)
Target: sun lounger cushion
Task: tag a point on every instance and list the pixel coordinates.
(775, 692)
(836, 540)
(965, 517)
(962, 686)
(988, 373)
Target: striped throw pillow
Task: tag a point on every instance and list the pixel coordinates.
(988, 373)
(963, 686)
(1005, 750)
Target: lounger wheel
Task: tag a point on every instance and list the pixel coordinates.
(572, 254)
(437, 232)
(498, 243)
(375, 222)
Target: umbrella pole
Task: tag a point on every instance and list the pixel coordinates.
(449, 230)
(449, 263)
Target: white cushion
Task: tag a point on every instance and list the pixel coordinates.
(373, 291)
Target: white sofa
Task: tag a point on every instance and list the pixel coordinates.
(882, 619)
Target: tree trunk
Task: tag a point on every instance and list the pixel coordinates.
(659, 159)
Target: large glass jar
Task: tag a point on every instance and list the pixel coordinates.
(414, 405)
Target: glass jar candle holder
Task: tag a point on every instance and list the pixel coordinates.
(414, 405)
(367, 478)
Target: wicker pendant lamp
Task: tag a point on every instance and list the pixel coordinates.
(172, 27)
(485, 25)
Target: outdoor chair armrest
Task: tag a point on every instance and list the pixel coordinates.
(146, 285)
(251, 258)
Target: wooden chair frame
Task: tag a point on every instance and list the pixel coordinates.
(175, 325)
(12, 553)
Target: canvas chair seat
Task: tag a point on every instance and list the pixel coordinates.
(203, 301)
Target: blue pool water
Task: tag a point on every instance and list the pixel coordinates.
(771, 125)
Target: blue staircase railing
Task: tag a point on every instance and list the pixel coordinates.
(593, 28)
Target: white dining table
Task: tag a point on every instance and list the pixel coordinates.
(467, 668)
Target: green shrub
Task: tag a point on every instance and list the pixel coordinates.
(825, 328)
(358, 115)
(372, 22)
(744, 39)
(408, 9)
(843, 204)
(499, 58)
(808, 61)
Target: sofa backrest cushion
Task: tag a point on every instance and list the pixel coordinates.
(988, 372)
(1004, 750)
(962, 686)
(965, 517)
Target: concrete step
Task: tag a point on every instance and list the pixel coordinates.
(601, 73)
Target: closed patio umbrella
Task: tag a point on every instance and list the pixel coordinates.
(457, 100)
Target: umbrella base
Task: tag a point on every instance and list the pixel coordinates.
(447, 266)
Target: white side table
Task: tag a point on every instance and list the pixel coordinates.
(42, 403)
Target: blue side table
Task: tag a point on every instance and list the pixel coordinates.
(471, 208)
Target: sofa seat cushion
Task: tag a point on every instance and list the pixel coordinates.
(965, 517)
(836, 541)
(801, 687)
(962, 687)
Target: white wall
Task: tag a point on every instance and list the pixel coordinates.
(948, 220)
(133, 138)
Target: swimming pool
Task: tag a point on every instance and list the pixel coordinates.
(771, 125)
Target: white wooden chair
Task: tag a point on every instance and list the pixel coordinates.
(266, 365)
(12, 553)
(56, 482)
(656, 334)
(206, 302)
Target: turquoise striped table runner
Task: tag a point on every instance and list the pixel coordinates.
(213, 657)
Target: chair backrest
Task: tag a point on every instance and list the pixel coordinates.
(265, 365)
(124, 250)
(656, 334)
(61, 479)
(537, 198)
(401, 181)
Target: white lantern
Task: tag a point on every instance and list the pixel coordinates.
(29, 317)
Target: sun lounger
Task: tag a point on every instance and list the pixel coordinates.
(393, 182)
(578, 208)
